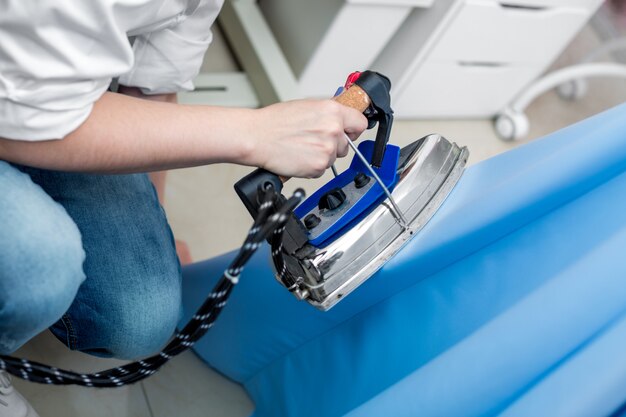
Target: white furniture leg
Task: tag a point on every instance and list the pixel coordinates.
(512, 123)
(576, 89)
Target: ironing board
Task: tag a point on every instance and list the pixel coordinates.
(511, 301)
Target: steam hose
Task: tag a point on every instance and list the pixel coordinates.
(270, 221)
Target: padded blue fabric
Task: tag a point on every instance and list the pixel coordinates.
(511, 301)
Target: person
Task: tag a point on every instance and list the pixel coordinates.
(85, 248)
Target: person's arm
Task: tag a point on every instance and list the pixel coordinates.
(158, 178)
(128, 134)
(53, 86)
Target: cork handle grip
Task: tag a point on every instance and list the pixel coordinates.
(354, 97)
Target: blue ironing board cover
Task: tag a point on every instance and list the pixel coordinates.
(511, 301)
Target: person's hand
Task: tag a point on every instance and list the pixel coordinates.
(303, 138)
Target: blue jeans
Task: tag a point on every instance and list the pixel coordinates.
(89, 256)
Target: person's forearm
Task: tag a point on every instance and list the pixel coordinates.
(158, 178)
(127, 134)
(301, 138)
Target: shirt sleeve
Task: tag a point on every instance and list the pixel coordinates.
(55, 62)
(167, 60)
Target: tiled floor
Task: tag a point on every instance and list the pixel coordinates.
(205, 212)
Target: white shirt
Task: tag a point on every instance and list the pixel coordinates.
(58, 57)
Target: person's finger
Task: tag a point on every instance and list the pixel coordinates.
(353, 136)
(342, 146)
(331, 161)
(354, 122)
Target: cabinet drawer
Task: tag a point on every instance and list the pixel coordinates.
(590, 5)
(411, 3)
(452, 90)
(485, 31)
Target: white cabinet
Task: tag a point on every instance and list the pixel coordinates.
(325, 40)
(445, 58)
(469, 58)
(452, 90)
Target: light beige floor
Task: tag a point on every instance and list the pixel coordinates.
(204, 211)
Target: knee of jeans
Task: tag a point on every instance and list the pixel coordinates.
(144, 328)
(42, 271)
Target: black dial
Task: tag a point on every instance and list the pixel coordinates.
(332, 199)
(361, 180)
(311, 221)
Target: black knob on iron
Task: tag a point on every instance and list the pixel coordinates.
(361, 180)
(311, 221)
(332, 199)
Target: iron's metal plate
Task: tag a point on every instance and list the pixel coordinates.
(425, 182)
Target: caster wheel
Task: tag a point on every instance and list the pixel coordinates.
(572, 90)
(511, 125)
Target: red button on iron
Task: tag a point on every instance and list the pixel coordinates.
(352, 79)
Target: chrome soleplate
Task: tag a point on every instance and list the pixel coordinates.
(427, 176)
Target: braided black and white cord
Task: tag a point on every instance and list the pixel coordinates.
(276, 242)
(271, 217)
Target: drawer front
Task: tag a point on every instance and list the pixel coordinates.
(410, 3)
(590, 5)
(486, 32)
(451, 90)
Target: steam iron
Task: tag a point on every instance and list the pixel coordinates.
(348, 229)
